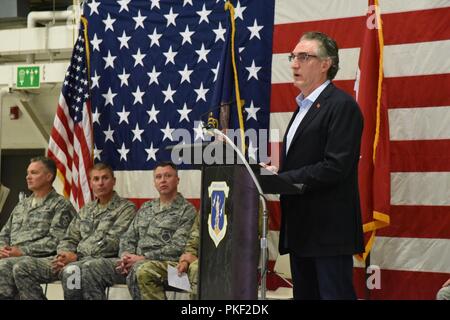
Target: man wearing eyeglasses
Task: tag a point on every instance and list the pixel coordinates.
(321, 227)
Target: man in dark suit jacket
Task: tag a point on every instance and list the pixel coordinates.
(321, 228)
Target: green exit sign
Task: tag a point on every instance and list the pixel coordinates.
(28, 77)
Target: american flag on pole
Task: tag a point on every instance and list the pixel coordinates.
(374, 164)
(154, 67)
(71, 139)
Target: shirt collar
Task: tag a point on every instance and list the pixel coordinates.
(309, 100)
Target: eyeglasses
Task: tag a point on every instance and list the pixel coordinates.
(301, 56)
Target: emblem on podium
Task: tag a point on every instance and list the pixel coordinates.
(217, 219)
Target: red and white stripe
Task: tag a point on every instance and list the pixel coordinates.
(71, 146)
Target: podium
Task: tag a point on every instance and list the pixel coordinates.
(229, 240)
(229, 250)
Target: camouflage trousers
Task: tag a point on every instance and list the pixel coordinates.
(32, 272)
(443, 293)
(84, 279)
(101, 273)
(152, 275)
(8, 289)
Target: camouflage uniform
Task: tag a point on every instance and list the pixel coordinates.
(152, 275)
(94, 234)
(156, 233)
(36, 229)
(443, 293)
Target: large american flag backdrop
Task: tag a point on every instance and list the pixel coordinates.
(153, 67)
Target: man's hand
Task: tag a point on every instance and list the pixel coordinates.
(126, 263)
(7, 252)
(447, 283)
(183, 263)
(62, 259)
(4, 251)
(273, 169)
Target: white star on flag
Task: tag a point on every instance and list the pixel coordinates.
(201, 93)
(253, 71)
(94, 80)
(154, 38)
(203, 14)
(153, 76)
(109, 23)
(202, 54)
(123, 152)
(137, 133)
(167, 132)
(109, 60)
(124, 40)
(151, 152)
(97, 153)
(109, 97)
(138, 57)
(138, 95)
(123, 5)
(198, 131)
(96, 116)
(152, 113)
(170, 56)
(96, 43)
(187, 34)
(185, 74)
(171, 18)
(139, 20)
(220, 33)
(123, 78)
(252, 151)
(251, 112)
(239, 11)
(155, 3)
(94, 7)
(184, 113)
(109, 134)
(254, 30)
(123, 115)
(168, 94)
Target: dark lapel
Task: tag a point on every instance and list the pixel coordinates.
(313, 111)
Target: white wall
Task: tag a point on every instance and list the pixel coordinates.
(20, 133)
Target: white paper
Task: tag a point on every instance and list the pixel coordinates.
(176, 281)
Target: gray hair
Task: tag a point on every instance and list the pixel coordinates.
(328, 48)
(48, 163)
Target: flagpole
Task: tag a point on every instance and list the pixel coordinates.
(229, 6)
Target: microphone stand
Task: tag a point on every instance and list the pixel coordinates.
(263, 241)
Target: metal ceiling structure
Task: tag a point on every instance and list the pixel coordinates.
(48, 5)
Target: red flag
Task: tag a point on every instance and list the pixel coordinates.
(70, 142)
(374, 173)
